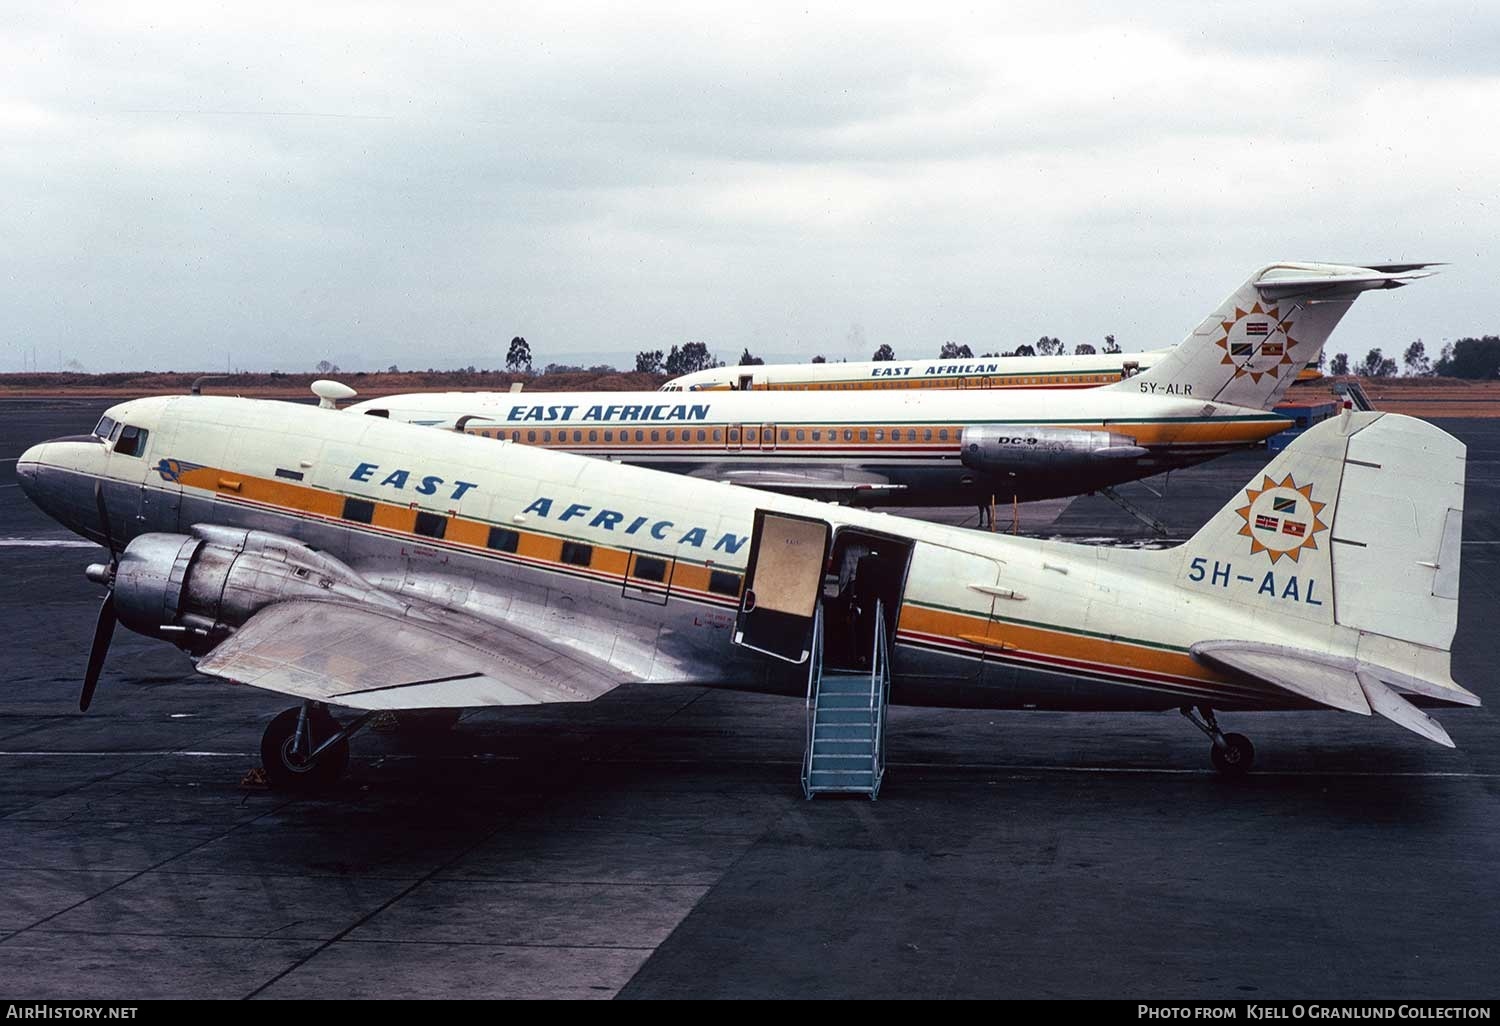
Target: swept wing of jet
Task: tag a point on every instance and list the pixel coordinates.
(353, 562)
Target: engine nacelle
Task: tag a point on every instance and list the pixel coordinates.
(996, 449)
(196, 590)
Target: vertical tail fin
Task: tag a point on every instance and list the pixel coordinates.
(1338, 568)
(1249, 351)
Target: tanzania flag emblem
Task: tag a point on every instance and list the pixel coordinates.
(1241, 348)
(1272, 349)
(1281, 518)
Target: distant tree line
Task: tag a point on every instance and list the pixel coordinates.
(1475, 359)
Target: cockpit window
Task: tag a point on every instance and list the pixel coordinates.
(132, 441)
(104, 428)
(115, 433)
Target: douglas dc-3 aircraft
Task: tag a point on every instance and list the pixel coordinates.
(350, 561)
(919, 447)
(975, 372)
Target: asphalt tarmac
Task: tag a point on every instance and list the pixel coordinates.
(656, 844)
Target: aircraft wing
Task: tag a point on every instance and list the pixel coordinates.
(814, 483)
(1340, 682)
(368, 658)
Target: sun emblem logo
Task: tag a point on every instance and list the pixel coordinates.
(1281, 518)
(1257, 342)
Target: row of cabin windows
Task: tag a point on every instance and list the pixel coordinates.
(503, 539)
(977, 382)
(750, 435)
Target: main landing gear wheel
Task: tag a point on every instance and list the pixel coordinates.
(295, 750)
(1235, 758)
(1231, 754)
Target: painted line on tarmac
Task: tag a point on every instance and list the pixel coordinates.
(964, 767)
(47, 543)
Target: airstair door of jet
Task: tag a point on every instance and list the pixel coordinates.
(783, 583)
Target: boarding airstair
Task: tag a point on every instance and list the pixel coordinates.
(846, 720)
(1354, 394)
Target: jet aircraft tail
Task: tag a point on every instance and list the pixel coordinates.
(1343, 557)
(1250, 350)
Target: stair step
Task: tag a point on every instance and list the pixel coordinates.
(842, 731)
(841, 781)
(827, 701)
(833, 714)
(843, 745)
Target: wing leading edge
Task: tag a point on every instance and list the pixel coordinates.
(365, 658)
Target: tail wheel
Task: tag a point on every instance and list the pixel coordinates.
(1235, 758)
(288, 770)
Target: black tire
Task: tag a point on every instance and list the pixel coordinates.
(1237, 760)
(287, 774)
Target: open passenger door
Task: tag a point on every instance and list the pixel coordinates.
(783, 583)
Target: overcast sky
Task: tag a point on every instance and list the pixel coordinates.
(271, 184)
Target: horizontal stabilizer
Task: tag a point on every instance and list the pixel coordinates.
(1302, 673)
(1340, 682)
(1398, 710)
(1282, 282)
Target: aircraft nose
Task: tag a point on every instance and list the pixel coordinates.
(28, 467)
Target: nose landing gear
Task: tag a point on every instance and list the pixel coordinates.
(1231, 754)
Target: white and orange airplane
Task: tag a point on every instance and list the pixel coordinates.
(1076, 371)
(1211, 394)
(351, 562)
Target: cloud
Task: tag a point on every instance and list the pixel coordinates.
(416, 186)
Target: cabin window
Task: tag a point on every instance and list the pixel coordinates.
(671, 434)
(718, 434)
(649, 568)
(879, 435)
(132, 441)
(864, 434)
(546, 436)
(848, 435)
(361, 511)
(942, 434)
(801, 435)
(927, 434)
(609, 436)
(817, 435)
(503, 539)
(531, 436)
(431, 525)
(786, 435)
(655, 436)
(722, 582)
(640, 436)
(577, 553)
(702, 435)
(593, 436)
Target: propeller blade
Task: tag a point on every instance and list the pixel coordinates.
(109, 540)
(104, 629)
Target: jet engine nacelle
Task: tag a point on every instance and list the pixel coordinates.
(996, 449)
(196, 589)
